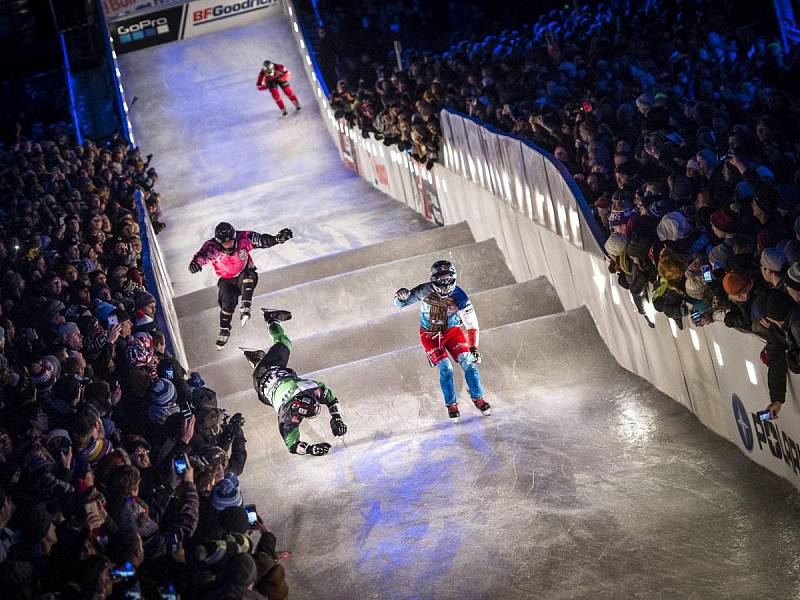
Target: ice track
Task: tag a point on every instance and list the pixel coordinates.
(584, 483)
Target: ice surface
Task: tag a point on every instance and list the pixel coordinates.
(584, 483)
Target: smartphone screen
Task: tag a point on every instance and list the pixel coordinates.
(707, 277)
(764, 415)
(124, 571)
(113, 321)
(167, 592)
(252, 516)
(180, 465)
(170, 372)
(186, 410)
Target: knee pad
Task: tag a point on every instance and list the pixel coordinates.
(465, 360)
(445, 367)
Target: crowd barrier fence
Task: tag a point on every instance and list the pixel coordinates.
(517, 193)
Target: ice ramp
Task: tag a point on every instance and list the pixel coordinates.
(336, 263)
(496, 307)
(585, 482)
(346, 299)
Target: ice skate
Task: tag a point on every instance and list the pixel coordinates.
(253, 355)
(284, 112)
(297, 106)
(452, 412)
(483, 406)
(222, 337)
(244, 312)
(276, 314)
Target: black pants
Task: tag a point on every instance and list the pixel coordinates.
(243, 284)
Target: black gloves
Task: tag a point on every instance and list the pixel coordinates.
(318, 449)
(237, 420)
(284, 235)
(476, 356)
(402, 294)
(338, 428)
(194, 267)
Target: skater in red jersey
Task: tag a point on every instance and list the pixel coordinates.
(270, 77)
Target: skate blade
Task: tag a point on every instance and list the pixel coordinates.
(220, 347)
(245, 320)
(486, 412)
(455, 420)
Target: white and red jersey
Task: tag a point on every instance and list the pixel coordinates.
(281, 75)
(227, 265)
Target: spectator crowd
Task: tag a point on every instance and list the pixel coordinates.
(679, 122)
(118, 472)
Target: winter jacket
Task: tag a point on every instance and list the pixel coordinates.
(228, 266)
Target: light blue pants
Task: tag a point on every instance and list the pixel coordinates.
(471, 375)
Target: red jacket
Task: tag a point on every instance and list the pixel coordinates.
(281, 75)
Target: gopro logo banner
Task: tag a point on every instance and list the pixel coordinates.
(142, 29)
(147, 30)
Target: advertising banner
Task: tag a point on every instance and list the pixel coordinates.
(147, 30)
(205, 16)
(119, 9)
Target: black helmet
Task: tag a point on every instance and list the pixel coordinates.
(443, 277)
(224, 232)
(306, 405)
(269, 67)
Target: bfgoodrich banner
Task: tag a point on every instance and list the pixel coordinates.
(205, 16)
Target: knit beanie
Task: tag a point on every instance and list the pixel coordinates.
(226, 493)
(724, 220)
(695, 287)
(773, 259)
(143, 299)
(673, 226)
(719, 255)
(144, 324)
(162, 392)
(639, 247)
(45, 372)
(793, 276)
(271, 577)
(615, 244)
(241, 570)
(735, 283)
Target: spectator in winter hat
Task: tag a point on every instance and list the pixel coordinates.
(145, 324)
(793, 281)
(70, 335)
(226, 493)
(618, 220)
(784, 316)
(144, 302)
(162, 401)
(615, 244)
(719, 256)
(37, 536)
(773, 266)
(723, 224)
(673, 226)
(45, 372)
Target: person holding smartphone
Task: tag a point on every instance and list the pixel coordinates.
(293, 397)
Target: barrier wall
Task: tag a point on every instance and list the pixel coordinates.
(512, 191)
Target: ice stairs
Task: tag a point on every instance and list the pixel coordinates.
(343, 311)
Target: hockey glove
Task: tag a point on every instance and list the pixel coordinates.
(237, 420)
(338, 428)
(284, 235)
(402, 294)
(318, 449)
(476, 356)
(194, 267)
